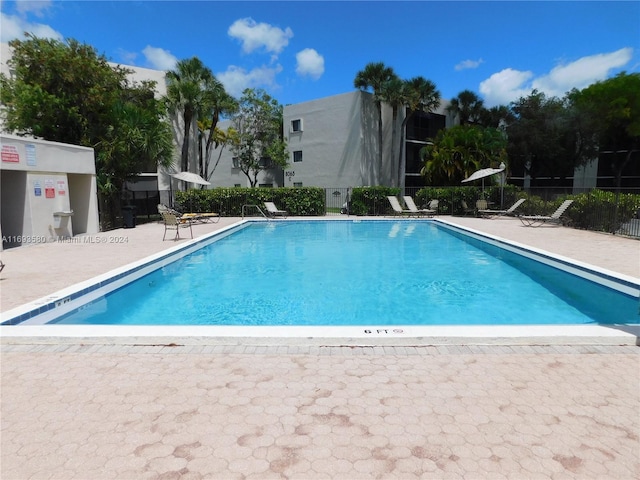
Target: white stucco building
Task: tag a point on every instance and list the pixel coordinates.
(333, 143)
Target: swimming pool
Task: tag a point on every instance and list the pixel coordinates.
(337, 273)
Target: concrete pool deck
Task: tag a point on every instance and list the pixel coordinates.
(289, 410)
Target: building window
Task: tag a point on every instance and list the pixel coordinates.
(236, 162)
(297, 184)
(297, 156)
(266, 162)
(265, 185)
(422, 126)
(296, 125)
(237, 185)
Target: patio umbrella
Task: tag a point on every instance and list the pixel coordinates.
(483, 173)
(191, 178)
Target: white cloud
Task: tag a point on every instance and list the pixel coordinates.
(36, 7)
(13, 26)
(254, 35)
(509, 85)
(236, 79)
(159, 58)
(581, 73)
(310, 63)
(505, 86)
(127, 57)
(467, 64)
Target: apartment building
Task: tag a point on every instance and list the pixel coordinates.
(333, 143)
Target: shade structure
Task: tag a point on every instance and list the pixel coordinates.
(482, 173)
(487, 172)
(191, 178)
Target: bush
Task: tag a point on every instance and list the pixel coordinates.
(371, 200)
(603, 211)
(228, 202)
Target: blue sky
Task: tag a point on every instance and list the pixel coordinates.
(300, 51)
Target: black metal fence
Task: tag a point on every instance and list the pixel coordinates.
(608, 211)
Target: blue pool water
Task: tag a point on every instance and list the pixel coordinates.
(356, 273)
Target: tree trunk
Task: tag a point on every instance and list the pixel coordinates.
(379, 143)
(187, 117)
(402, 159)
(394, 133)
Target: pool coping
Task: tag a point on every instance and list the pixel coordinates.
(347, 336)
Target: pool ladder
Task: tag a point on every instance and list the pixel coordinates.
(259, 209)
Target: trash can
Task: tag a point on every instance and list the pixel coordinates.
(129, 216)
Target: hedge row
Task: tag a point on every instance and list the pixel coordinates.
(228, 202)
(595, 210)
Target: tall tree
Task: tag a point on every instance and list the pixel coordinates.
(538, 137)
(186, 87)
(374, 76)
(467, 107)
(66, 92)
(612, 109)
(420, 95)
(259, 143)
(392, 93)
(62, 92)
(217, 103)
(496, 117)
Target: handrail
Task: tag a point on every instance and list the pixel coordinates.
(259, 209)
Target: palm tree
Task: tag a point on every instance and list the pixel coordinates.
(374, 76)
(420, 95)
(458, 151)
(216, 103)
(186, 86)
(467, 106)
(392, 93)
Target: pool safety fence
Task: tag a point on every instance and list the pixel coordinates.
(611, 211)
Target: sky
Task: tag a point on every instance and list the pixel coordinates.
(299, 51)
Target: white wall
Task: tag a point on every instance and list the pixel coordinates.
(38, 179)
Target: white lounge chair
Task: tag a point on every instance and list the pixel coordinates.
(555, 217)
(491, 213)
(274, 211)
(397, 208)
(411, 205)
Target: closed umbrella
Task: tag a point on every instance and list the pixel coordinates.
(483, 173)
(188, 177)
(191, 178)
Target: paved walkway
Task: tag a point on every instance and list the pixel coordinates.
(91, 412)
(103, 411)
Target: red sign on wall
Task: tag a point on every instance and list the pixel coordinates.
(10, 154)
(49, 190)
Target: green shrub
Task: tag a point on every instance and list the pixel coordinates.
(229, 202)
(371, 200)
(603, 211)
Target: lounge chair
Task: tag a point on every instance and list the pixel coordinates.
(173, 222)
(466, 209)
(482, 204)
(555, 217)
(397, 208)
(201, 217)
(509, 212)
(194, 217)
(274, 211)
(411, 205)
(433, 205)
